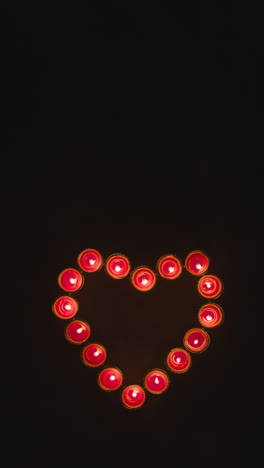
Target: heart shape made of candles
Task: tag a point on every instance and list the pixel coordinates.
(143, 278)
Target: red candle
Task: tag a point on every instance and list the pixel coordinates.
(156, 381)
(169, 267)
(143, 278)
(179, 360)
(117, 266)
(94, 355)
(77, 332)
(210, 315)
(133, 396)
(210, 286)
(110, 379)
(197, 263)
(90, 260)
(196, 340)
(65, 307)
(70, 280)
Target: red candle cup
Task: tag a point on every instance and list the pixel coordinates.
(77, 332)
(65, 307)
(156, 381)
(197, 263)
(110, 379)
(179, 360)
(210, 286)
(143, 278)
(133, 396)
(90, 260)
(117, 266)
(210, 315)
(169, 267)
(70, 280)
(196, 340)
(94, 355)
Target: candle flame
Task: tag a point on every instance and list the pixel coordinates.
(134, 394)
(91, 261)
(117, 268)
(156, 380)
(171, 269)
(209, 318)
(68, 307)
(144, 281)
(178, 359)
(73, 280)
(112, 377)
(96, 353)
(198, 266)
(196, 341)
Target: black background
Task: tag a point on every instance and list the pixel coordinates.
(127, 135)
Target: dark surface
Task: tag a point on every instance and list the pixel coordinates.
(135, 121)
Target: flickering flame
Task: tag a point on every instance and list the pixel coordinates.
(196, 341)
(112, 377)
(198, 266)
(144, 281)
(208, 284)
(79, 330)
(96, 353)
(68, 307)
(73, 280)
(209, 318)
(156, 380)
(91, 261)
(117, 268)
(178, 359)
(171, 269)
(134, 394)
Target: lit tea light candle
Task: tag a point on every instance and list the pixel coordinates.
(197, 263)
(77, 332)
(178, 360)
(117, 266)
(110, 379)
(133, 396)
(196, 340)
(70, 280)
(210, 286)
(169, 267)
(65, 307)
(143, 278)
(156, 381)
(210, 315)
(90, 260)
(94, 355)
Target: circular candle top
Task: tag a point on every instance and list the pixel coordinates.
(77, 331)
(197, 263)
(110, 379)
(210, 315)
(210, 286)
(70, 280)
(65, 307)
(169, 267)
(117, 266)
(196, 340)
(94, 355)
(179, 360)
(156, 381)
(133, 396)
(90, 260)
(143, 278)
